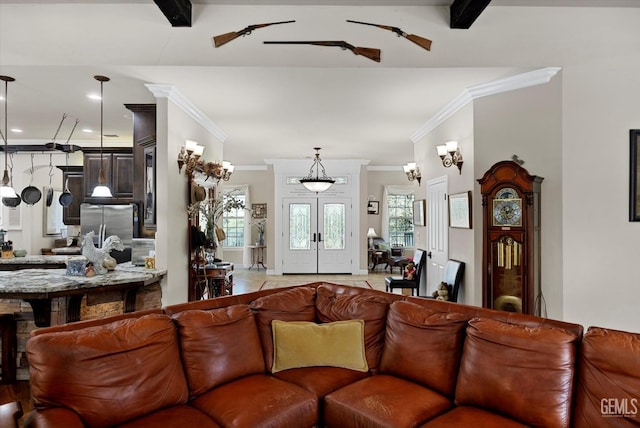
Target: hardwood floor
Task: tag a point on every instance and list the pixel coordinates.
(246, 281)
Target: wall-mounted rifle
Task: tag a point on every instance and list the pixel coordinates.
(418, 40)
(227, 37)
(371, 53)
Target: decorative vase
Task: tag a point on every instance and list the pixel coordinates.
(260, 238)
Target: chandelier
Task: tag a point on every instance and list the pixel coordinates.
(317, 183)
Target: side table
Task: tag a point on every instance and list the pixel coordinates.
(257, 256)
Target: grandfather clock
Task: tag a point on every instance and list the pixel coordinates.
(511, 239)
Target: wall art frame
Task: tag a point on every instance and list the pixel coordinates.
(373, 207)
(419, 210)
(634, 175)
(460, 210)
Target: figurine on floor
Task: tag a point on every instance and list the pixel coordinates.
(100, 257)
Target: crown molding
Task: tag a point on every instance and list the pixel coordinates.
(174, 95)
(512, 83)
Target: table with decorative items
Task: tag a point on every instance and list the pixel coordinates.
(211, 280)
(46, 280)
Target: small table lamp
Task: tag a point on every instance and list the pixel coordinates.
(371, 233)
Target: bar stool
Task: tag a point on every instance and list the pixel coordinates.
(8, 330)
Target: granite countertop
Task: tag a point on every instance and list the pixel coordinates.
(36, 260)
(48, 281)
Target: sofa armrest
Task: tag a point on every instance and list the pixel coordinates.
(56, 417)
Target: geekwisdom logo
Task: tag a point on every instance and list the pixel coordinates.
(619, 407)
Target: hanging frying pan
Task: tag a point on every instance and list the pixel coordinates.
(49, 198)
(31, 194)
(66, 198)
(11, 202)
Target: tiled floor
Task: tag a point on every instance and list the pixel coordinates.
(246, 281)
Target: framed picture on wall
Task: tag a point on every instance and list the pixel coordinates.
(258, 210)
(373, 207)
(419, 208)
(460, 210)
(634, 175)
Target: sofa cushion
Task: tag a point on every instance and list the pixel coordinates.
(526, 373)
(111, 373)
(173, 417)
(296, 304)
(218, 346)
(306, 344)
(321, 380)
(609, 373)
(464, 416)
(383, 401)
(259, 401)
(423, 345)
(370, 307)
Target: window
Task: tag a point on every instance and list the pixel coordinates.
(400, 219)
(233, 220)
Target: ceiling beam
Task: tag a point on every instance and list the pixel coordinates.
(178, 12)
(464, 12)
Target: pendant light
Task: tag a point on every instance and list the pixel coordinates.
(317, 183)
(101, 190)
(6, 191)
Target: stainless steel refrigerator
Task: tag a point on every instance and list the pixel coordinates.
(107, 220)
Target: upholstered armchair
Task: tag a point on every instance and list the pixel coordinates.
(381, 252)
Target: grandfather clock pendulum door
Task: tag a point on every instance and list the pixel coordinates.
(511, 239)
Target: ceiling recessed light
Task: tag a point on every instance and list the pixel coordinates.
(87, 130)
(16, 130)
(95, 97)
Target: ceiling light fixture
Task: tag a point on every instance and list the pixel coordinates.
(317, 183)
(101, 190)
(6, 191)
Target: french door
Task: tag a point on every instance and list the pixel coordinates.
(316, 235)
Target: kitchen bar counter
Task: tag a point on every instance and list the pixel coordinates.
(34, 262)
(39, 286)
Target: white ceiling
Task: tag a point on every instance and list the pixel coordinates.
(271, 101)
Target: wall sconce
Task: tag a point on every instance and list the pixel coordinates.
(189, 156)
(450, 154)
(413, 172)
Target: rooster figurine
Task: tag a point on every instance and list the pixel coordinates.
(99, 257)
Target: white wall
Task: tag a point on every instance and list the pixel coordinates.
(458, 127)
(601, 247)
(527, 123)
(174, 126)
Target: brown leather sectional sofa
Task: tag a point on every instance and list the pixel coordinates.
(428, 364)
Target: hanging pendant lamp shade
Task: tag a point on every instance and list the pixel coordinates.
(6, 191)
(317, 183)
(101, 190)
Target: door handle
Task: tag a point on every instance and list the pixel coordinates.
(429, 254)
(319, 237)
(314, 237)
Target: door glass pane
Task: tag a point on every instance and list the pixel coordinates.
(334, 227)
(299, 226)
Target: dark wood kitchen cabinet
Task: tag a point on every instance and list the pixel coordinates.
(73, 177)
(118, 166)
(144, 157)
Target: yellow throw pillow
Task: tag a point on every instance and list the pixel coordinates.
(307, 344)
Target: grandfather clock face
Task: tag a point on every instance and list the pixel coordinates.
(507, 208)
